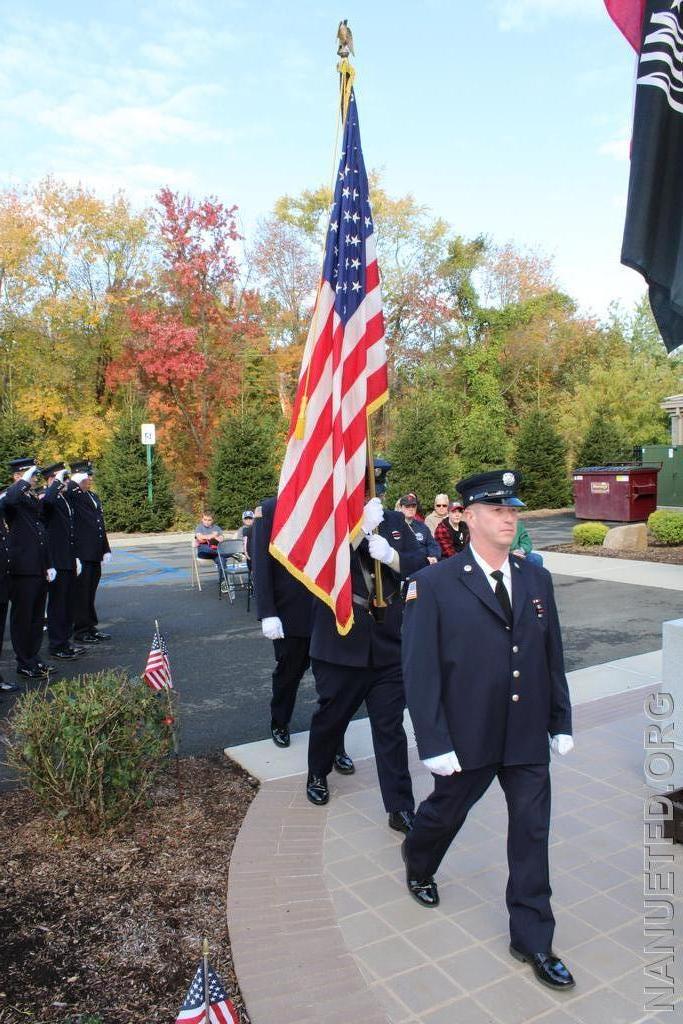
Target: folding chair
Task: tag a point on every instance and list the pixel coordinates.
(234, 569)
(197, 564)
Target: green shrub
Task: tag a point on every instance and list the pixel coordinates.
(589, 534)
(666, 527)
(90, 748)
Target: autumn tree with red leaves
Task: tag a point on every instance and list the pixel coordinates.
(190, 342)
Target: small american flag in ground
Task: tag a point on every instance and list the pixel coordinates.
(193, 1010)
(157, 672)
(343, 379)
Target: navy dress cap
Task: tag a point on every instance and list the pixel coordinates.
(53, 468)
(498, 487)
(19, 465)
(82, 466)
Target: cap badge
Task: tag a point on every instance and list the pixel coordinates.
(508, 479)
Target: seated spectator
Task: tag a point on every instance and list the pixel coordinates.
(440, 513)
(452, 534)
(207, 536)
(245, 532)
(421, 532)
(522, 545)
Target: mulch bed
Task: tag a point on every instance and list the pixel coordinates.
(108, 929)
(654, 553)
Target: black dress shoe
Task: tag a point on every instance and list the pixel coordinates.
(65, 654)
(280, 734)
(6, 687)
(87, 638)
(316, 789)
(402, 821)
(343, 763)
(101, 636)
(547, 967)
(46, 669)
(424, 890)
(30, 673)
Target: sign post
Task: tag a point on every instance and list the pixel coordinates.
(148, 437)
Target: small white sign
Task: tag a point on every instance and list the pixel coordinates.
(148, 433)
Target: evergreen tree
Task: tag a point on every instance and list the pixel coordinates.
(17, 438)
(419, 456)
(121, 480)
(484, 442)
(604, 443)
(243, 467)
(541, 457)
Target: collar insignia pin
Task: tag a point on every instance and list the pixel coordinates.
(468, 568)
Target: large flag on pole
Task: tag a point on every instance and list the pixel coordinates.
(653, 233)
(343, 379)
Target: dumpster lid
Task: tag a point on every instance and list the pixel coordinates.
(629, 467)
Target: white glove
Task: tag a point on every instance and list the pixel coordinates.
(61, 474)
(29, 474)
(373, 514)
(106, 557)
(380, 548)
(271, 627)
(444, 764)
(79, 567)
(561, 744)
(51, 575)
(78, 478)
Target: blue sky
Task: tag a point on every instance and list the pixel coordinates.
(509, 117)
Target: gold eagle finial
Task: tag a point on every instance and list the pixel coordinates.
(345, 37)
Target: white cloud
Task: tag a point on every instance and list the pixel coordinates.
(527, 14)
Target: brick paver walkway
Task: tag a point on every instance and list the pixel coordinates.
(323, 930)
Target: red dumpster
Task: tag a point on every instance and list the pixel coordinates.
(623, 494)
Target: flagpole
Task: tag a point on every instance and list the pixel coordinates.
(207, 998)
(347, 74)
(171, 719)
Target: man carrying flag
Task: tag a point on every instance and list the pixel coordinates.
(653, 233)
(325, 509)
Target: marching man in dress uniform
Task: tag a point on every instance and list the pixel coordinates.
(92, 548)
(285, 608)
(30, 568)
(61, 541)
(487, 692)
(365, 665)
(5, 687)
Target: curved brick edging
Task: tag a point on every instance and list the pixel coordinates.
(289, 954)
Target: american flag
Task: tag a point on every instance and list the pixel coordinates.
(343, 379)
(157, 672)
(193, 1010)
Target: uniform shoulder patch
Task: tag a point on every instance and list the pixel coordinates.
(411, 592)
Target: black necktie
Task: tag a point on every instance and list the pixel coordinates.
(502, 594)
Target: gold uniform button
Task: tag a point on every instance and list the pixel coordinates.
(516, 674)
(515, 696)
(515, 649)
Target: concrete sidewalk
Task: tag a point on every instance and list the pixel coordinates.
(323, 930)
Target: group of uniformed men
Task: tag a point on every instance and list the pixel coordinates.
(472, 645)
(53, 541)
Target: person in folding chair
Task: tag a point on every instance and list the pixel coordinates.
(285, 608)
(207, 536)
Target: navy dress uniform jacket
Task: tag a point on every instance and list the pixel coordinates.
(58, 515)
(91, 535)
(278, 593)
(369, 643)
(28, 552)
(4, 562)
(425, 538)
(489, 691)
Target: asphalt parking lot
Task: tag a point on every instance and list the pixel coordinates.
(222, 665)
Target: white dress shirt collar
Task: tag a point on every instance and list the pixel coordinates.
(487, 570)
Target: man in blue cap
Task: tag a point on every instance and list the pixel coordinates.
(488, 696)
